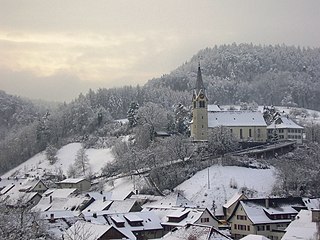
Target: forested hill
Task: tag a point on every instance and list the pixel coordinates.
(15, 113)
(243, 73)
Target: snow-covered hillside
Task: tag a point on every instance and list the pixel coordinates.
(224, 182)
(39, 164)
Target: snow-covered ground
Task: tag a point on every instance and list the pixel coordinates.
(202, 192)
(38, 164)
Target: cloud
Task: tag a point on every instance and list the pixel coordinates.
(105, 43)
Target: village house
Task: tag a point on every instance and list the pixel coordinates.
(304, 226)
(81, 184)
(268, 217)
(172, 217)
(284, 128)
(135, 225)
(90, 231)
(195, 231)
(230, 205)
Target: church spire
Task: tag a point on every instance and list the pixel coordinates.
(199, 83)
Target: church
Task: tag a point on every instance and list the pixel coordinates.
(245, 125)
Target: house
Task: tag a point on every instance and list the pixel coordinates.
(81, 184)
(62, 200)
(90, 231)
(244, 125)
(267, 217)
(195, 231)
(304, 226)
(172, 217)
(116, 206)
(283, 128)
(135, 225)
(229, 206)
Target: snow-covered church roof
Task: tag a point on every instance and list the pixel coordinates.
(235, 118)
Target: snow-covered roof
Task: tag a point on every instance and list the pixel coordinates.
(172, 200)
(164, 213)
(98, 205)
(234, 199)
(149, 221)
(302, 227)
(89, 230)
(122, 206)
(72, 180)
(235, 118)
(213, 108)
(257, 210)
(199, 232)
(284, 122)
(254, 237)
(312, 203)
(133, 218)
(60, 193)
(58, 214)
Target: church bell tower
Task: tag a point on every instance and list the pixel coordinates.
(199, 124)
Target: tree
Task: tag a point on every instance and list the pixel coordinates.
(17, 221)
(221, 141)
(51, 153)
(81, 163)
(132, 114)
(299, 172)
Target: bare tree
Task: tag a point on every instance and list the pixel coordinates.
(81, 163)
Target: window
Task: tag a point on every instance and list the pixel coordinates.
(241, 217)
(250, 133)
(248, 228)
(242, 227)
(260, 228)
(231, 130)
(194, 104)
(201, 117)
(235, 226)
(268, 227)
(203, 220)
(259, 132)
(241, 135)
(202, 104)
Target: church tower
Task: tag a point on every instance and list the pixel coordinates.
(199, 125)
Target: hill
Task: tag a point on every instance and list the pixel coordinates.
(268, 75)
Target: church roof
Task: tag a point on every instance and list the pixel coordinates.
(235, 118)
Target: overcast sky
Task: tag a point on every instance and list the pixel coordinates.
(55, 49)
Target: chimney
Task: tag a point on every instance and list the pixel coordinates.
(51, 218)
(315, 215)
(104, 198)
(267, 203)
(50, 199)
(94, 215)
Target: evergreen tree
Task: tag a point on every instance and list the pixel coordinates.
(132, 114)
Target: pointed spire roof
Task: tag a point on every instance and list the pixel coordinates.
(199, 83)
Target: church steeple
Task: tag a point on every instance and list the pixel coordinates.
(199, 83)
(199, 126)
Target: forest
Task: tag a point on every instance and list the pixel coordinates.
(233, 74)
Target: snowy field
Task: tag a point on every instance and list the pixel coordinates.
(38, 164)
(202, 192)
